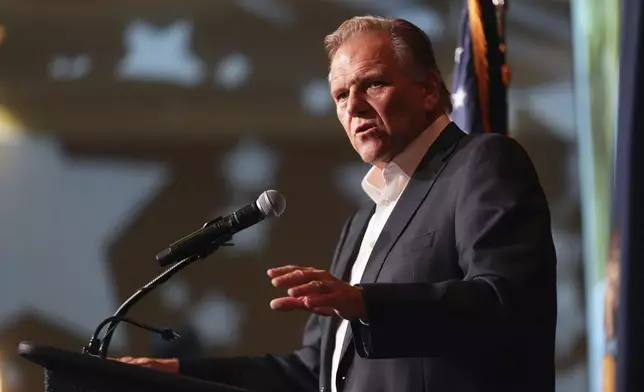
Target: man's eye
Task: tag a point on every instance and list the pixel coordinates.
(341, 96)
(376, 83)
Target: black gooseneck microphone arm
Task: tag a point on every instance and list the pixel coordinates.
(92, 347)
(119, 315)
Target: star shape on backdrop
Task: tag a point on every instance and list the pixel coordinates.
(414, 11)
(56, 267)
(70, 67)
(249, 168)
(215, 319)
(348, 180)
(274, 11)
(175, 293)
(233, 70)
(161, 54)
(218, 319)
(316, 97)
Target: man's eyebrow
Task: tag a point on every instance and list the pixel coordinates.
(372, 74)
(377, 72)
(335, 89)
(337, 80)
(358, 78)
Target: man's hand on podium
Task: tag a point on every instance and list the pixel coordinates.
(166, 365)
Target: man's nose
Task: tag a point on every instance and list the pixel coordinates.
(357, 105)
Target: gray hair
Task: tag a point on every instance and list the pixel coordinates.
(412, 47)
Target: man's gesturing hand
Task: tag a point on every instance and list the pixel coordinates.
(317, 291)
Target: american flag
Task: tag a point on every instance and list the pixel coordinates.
(480, 80)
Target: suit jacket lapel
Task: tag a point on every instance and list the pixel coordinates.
(349, 251)
(414, 194)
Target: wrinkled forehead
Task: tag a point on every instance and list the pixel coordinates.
(362, 53)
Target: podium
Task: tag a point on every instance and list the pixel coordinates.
(66, 371)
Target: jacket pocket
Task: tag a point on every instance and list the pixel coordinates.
(417, 242)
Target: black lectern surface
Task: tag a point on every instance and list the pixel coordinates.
(66, 371)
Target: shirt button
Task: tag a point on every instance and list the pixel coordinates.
(372, 244)
(386, 202)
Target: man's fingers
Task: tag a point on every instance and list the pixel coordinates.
(170, 365)
(145, 362)
(287, 303)
(279, 271)
(299, 277)
(315, 287)
(121, 359)
(290, 303)
(290, 279)
(134, 361)
(321, 301)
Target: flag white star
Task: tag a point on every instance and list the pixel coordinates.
(457, 55)
(458, 98)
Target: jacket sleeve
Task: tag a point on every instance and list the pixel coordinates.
(294, 372)
(299, 371)
(505, 250)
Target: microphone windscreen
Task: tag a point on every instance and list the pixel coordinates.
(271, 203)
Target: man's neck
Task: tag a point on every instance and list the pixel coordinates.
(413, 153)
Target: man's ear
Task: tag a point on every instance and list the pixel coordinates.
(432, 90)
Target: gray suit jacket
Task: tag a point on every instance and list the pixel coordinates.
(460, 288)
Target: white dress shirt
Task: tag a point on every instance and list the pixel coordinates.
(384, 186)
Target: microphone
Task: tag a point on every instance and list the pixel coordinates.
(270, 203)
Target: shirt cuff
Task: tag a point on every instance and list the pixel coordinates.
(363, 322)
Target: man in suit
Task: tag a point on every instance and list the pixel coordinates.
(446, 282)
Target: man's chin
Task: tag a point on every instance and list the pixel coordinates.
(373, 152)
(374, 160)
